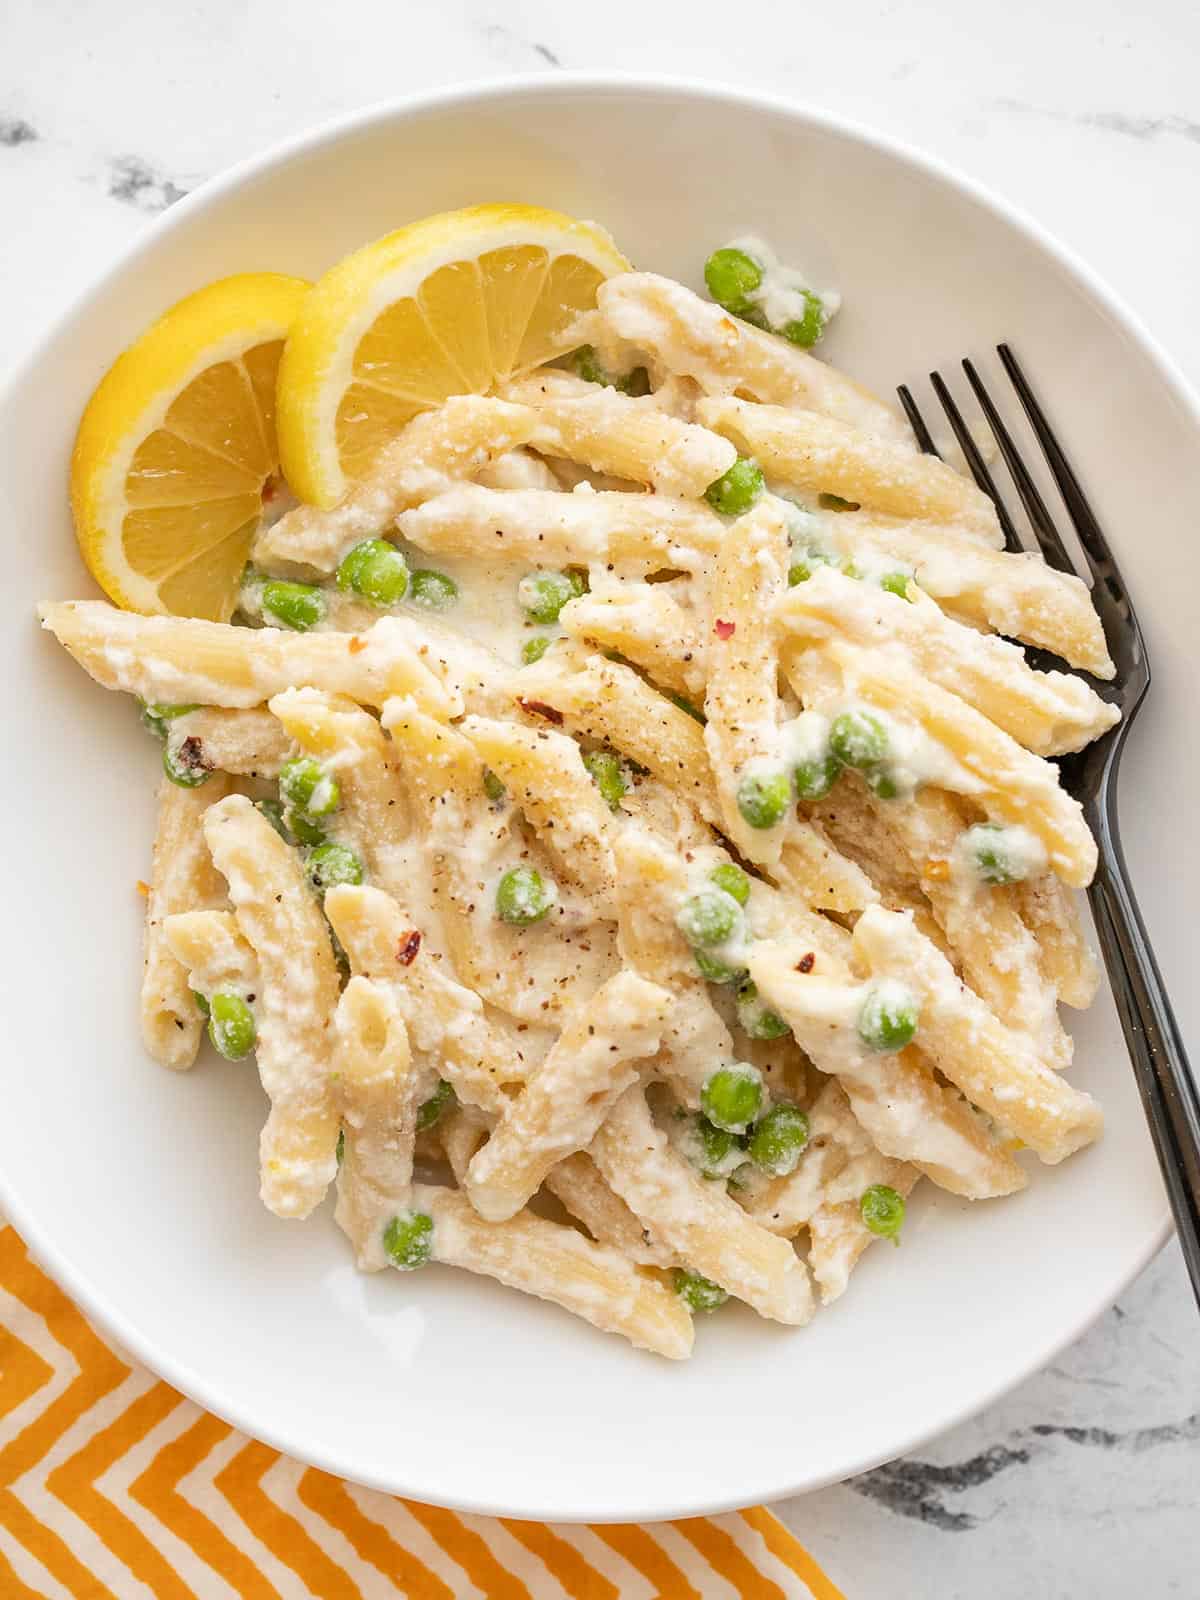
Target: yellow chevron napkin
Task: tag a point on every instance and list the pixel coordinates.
(114, 1487)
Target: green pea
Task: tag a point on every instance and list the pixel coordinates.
(713, 1147)
(202, 1005)
(543, 594)
(534, 649)
(273, 811)
(609, 776)
(231, 1025)
(299, 606)
(303, 828)
(492, 787)
(375, 570)
(185, 763)
(778, 1140)
(731, 1096)
(708, 917)
(307, 786)
(340, 1148)
(587, 365)
(799, 572)
(698, 1293)
(442, 1098)
(732, 277)
(757, 1019)
(814, 779)
(685, 704)
(339, 952)
(523, 897)
(896, 583)
(433, 590)
(882, 1209)
(851, 569)
(858, 739)
(736, 491)
(987, 845)
(889, 1015)
(156, 716)
(330, 864)
(408, 1240)
(714, 971)
(834, 502)
(883, 782)
(806, 330)
(733, 880)
(763, 798)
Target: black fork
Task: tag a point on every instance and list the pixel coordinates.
(1164, 1078)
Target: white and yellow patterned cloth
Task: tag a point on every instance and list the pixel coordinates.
(114, 1487)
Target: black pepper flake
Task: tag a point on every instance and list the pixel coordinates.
(539, 708)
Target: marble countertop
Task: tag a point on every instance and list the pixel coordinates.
(1083, 1481)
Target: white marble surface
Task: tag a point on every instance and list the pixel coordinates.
(1083, 1482)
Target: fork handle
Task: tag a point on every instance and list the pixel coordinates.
(1164, 1077)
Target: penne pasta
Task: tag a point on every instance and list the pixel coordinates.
(637, 533)
(1049, 713)
(183, 879)
(249, 743)
(210, 948)
(181, 660)
(436, 449)
(725, 355)
(559, 1264)
(378, 1094)
(593, 1061)
(279, 917)
(820, 455)
(695, 1220)
(975, 758)
(646, 625)
(577, 1185)
(610, 433)
(995, 1068)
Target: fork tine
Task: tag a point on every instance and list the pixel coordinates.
(974, 460)
(917, 422)
(1095, 545)
(1048, 537)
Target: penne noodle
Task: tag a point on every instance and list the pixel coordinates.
(183, 879)
(593, 1061)
(1067, 961)
(723, 354)
(1012, 592)
(577, 1185)
(434, 450)
(546, 779)
(646, 625)
(279, 917)
(211, 949)
(637, 533)
(1049, 713)
(995, 1068)
(976, 759)
(377, 1091)
(819, 455)
(907, 1113)
(610, 433)
(696, 1220)
(249, 743)
(562, 1265)
(181, 660)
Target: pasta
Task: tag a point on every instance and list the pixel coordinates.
(634, 904)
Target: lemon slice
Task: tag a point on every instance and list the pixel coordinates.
(176, 445)
(449, 305)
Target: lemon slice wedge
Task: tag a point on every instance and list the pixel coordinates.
(452, 304)
(176, 446)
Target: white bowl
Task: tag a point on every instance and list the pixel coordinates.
(138, 1188)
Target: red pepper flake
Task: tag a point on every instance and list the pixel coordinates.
(807, 963)
(269, 490)
(356, 644)
(406, 950)
(724, 630)
(143, 888)
(539, 708)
